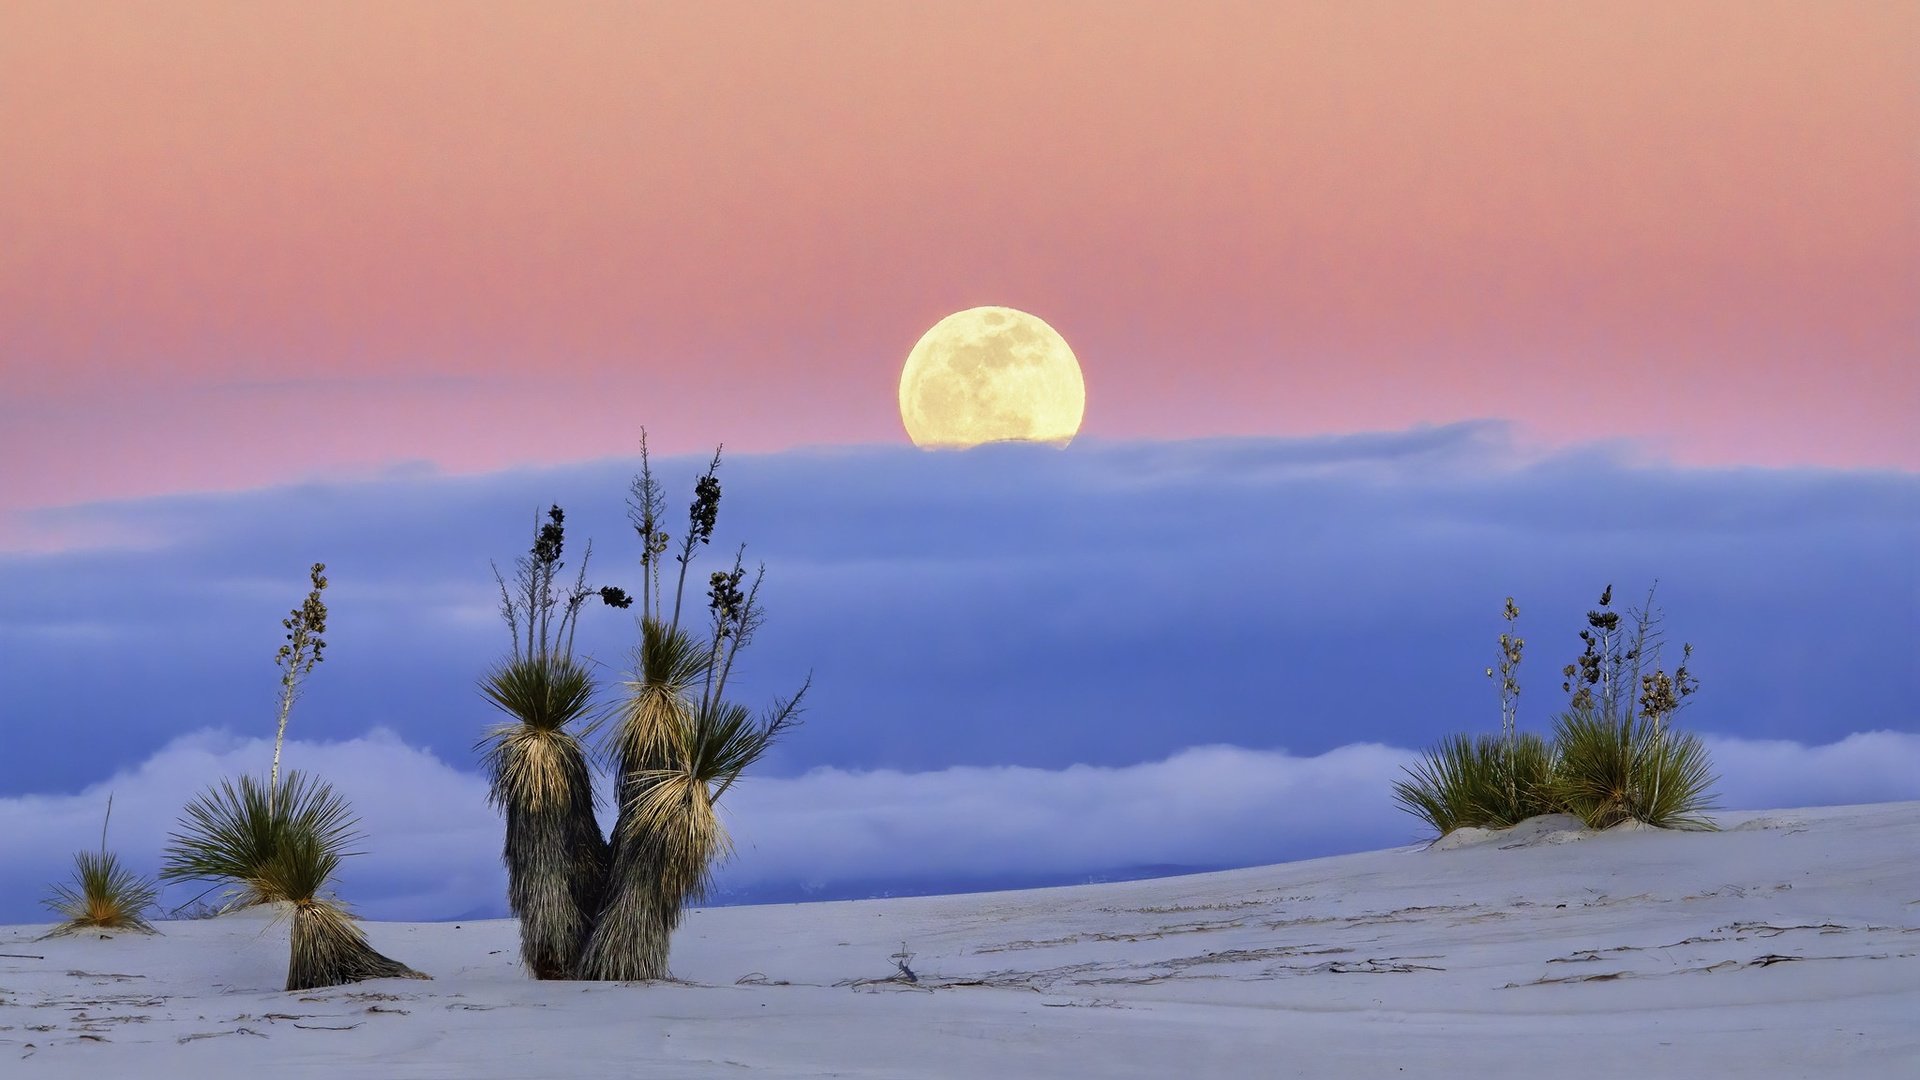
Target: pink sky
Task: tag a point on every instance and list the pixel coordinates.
(243, 243)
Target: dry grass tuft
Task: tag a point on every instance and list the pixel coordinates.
(104, 895)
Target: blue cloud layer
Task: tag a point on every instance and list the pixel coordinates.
(1107, 605)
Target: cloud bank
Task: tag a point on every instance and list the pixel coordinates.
(1113, 604)
(433, 843)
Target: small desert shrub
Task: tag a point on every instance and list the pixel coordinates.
(283, 846)
(1630, 768)
(1621, 759)
(280, 841)
(1615, 757)
(1485, 781)
(104, 895)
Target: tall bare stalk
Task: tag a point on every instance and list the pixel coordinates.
(701, 517)
(647, 508)
(305, 626)
(1510, 647)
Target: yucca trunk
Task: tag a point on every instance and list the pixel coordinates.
(329, 950)
(555, 857)
(629, 942)
(669, 839)
(556, 870)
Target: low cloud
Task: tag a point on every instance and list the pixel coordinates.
(433, 842)
(1866, 767)
(1116, 603)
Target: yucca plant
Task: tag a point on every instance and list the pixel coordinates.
(677, 744)
(104, 895)
(285, 846)
(1620, 769)
(605, 909)
(1482, 781)
(280, 840)
(630, 940)
(677, 757)
(1614, 758)
(230, 836)
(540, 779)
(1621, 759)
(231, 833)
(537, 767)
(328, 947)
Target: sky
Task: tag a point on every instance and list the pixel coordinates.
(251, 242)
(1385, 311)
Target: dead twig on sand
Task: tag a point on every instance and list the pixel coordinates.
(1767, 960)
(1392, 965)
(1760, 929)
(929, 986)
(217, 1034)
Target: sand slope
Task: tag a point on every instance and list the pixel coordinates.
(1787, 946)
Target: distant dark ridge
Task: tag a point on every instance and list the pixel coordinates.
(788, 892)
(882, 888)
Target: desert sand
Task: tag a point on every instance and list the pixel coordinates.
(1787, 945)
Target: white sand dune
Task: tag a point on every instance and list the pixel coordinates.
(1786, 946)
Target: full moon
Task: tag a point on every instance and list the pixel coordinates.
(991, 374)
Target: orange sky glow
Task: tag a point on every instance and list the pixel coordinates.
(242, 243)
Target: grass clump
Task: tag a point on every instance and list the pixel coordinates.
(1631, 769)
(1485, 781)
(1614, 756)
(104, 893)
